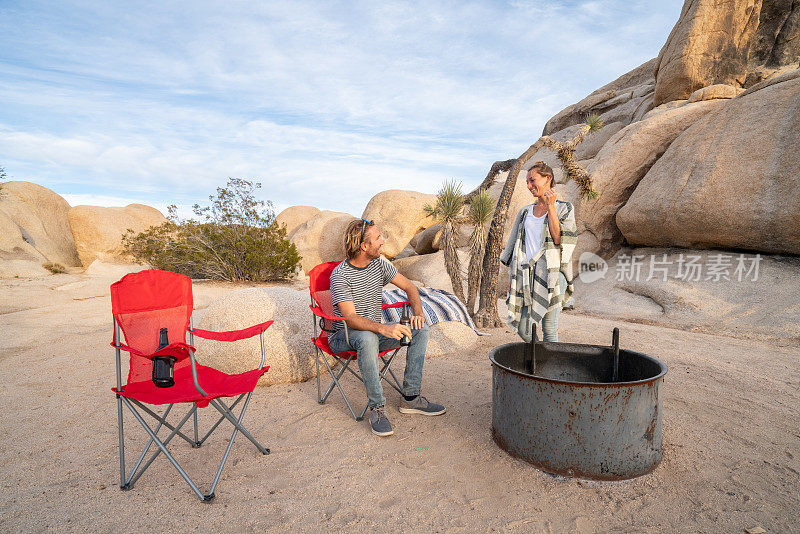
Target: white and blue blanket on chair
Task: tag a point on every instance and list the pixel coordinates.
(437, 305)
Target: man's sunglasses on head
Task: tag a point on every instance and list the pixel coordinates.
(364, 225)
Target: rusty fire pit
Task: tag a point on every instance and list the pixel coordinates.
(569, 409)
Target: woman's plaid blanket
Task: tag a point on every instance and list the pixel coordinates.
(437, 305)
(540, 292)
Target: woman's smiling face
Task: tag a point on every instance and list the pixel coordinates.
(537, 184)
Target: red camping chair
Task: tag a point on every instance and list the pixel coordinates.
(143, 304)
(322, 308)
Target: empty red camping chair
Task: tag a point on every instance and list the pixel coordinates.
(322, 308)
(153, 310)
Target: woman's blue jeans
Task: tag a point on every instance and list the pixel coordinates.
(549, 321)
(367, 345)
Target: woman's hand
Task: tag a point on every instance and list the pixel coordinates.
(549, 199)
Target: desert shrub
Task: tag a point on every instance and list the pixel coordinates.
(55, 268)
(235, 238)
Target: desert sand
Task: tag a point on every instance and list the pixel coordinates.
(731, 441)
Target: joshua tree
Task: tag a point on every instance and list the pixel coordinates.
(479, 214)
(486, 316)
(566, 154)
(449, 202)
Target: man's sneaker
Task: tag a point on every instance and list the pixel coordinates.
(379, 422)
(422, 405)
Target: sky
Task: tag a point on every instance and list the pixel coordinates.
(324, 103)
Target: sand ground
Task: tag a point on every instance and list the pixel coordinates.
(730, 426)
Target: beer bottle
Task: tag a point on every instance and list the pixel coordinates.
(163, 366)
(405, 319)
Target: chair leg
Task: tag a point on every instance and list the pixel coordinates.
(135, 475)
(157, 417)
(316, 364)
(162, 447)
(336, 378)
(122, 483)
(224, 410)
(336, 382)
(196, 441)
(221, 419)
(238, 426)
(147, 447)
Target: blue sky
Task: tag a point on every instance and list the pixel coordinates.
(324, 103)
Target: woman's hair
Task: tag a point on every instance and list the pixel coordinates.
(353, 236)
(543, 169)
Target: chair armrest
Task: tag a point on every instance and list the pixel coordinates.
(232, 335)
(319, 313)
(177, 350)
(385, 306)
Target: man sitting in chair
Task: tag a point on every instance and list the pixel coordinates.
(357, 294)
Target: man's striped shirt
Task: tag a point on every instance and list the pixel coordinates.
(363, 286)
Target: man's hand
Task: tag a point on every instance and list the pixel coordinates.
(417, 322)
(396, 331)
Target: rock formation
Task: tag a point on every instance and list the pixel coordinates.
(321, 238)
(294, 217)
(34, 227)
(400, 215)
(98, 231)
(731, 180)
(738, 43)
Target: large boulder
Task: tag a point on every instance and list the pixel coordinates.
(98, 231)
(732, 42)
(290, 353)
(34, 226)
(619, 166)
(321, 238)
(295, 216)
(730, 180)
(399, 215)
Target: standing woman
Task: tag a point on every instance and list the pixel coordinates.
(538, 255)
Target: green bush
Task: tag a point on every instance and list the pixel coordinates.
(55, 268)
(236, 239)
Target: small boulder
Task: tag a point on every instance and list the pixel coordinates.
(399, 215)
(294, 217)
(448, 337)
(98, 231)
(289, 351)
(321, 238)
(718, 90)
(429, 240)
